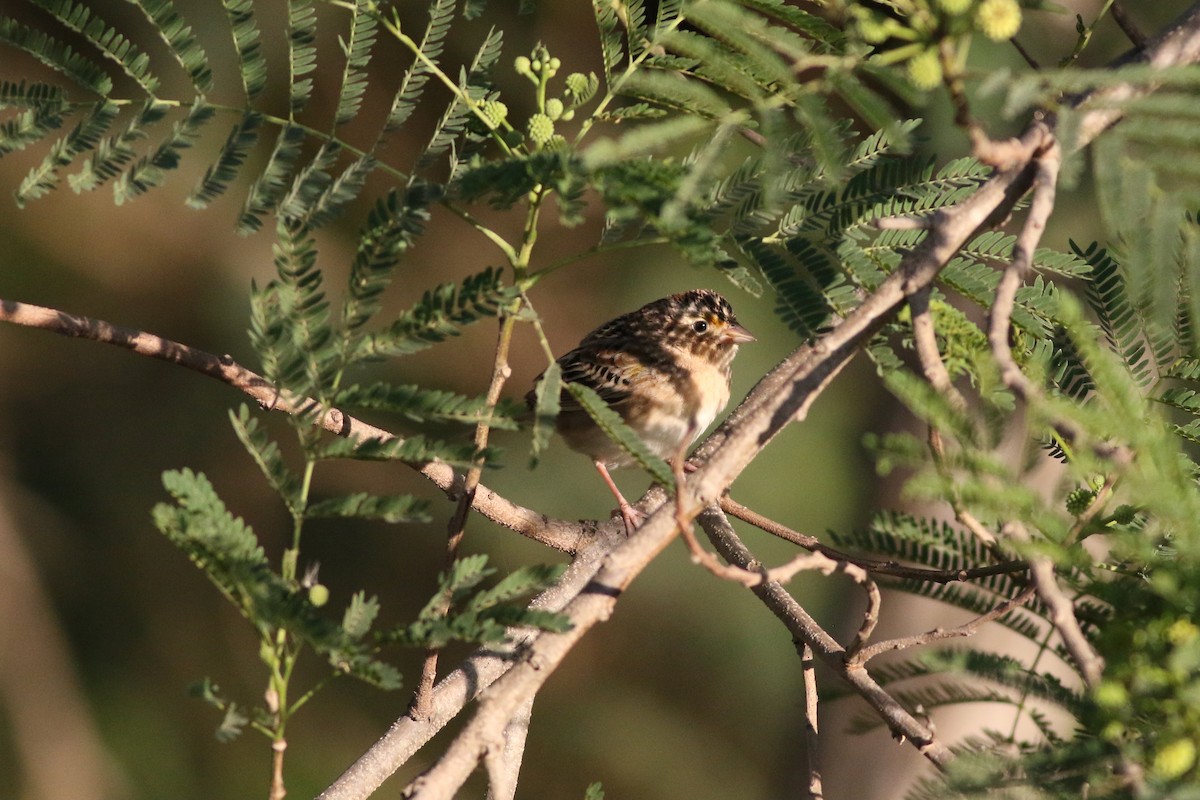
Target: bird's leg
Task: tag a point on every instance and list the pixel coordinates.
(630, 515)
(681, 458)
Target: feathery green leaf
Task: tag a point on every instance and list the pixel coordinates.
(179, 38)
(83, 137)
(439, 315)
(302, 52)
(389, 508)
(114, 153)
(615, 428)
(247, 41)
(151, 170)
(224, 170)
(547, 404)
(112, 44)
(363, 31)
(426, 405)
(56, 55)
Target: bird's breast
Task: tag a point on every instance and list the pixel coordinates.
(683, 403)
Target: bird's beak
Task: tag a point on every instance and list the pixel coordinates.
(736, 334)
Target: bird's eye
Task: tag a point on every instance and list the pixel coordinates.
(699, 326)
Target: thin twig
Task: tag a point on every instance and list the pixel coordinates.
(870, 616)
(966, 629)
(999, 322)
(873, 566)
(1026, 55)
(1127, 25)
(812, 755)
(278, 748)
(963, 118)
(757, 574)
(1062, 615)
(457, 526)
(934, 369)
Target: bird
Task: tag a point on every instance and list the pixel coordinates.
(664, 368)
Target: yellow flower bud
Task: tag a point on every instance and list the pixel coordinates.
(998, 19)
(924, 69)
(541, 129)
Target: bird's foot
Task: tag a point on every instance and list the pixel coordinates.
(632, 518)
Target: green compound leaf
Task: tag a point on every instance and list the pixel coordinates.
(616, 429)
(547, 403)
(389, 508)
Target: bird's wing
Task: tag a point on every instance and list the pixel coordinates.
(612, 373)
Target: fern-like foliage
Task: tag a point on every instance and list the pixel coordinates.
(711, 127)
(200, 525)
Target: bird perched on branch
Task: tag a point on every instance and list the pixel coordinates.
(663, 368)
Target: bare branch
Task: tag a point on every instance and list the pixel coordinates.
(1178, 44)
(1025, 54)
(903, 223)
(806, 630)
(504, 763)
(757, 574)
(870, 616)
(1062, 615)
(277, 791)
(1062, 611)
(1044, 182)
(556, 533)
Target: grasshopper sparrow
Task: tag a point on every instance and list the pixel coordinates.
(664, 368)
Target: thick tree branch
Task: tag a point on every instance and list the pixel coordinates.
(465, 683)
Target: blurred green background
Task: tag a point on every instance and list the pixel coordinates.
(691, 691)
